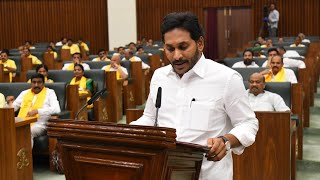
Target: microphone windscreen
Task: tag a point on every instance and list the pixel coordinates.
(158, 101)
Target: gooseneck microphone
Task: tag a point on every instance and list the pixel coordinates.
(158, 105)
(92, 100)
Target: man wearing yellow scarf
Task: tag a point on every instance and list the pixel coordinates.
(122, 72)
(39, 102)
(128, 55)
(8, 64)
(26, 53)
(76, 59)
(279, 74)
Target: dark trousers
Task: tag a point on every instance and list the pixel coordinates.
(273, 32)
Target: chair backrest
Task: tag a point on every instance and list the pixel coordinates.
(60, 88)
(97, 64)
(231, 61)
(91, 57)
(144, 58)
(281, 88)
(127, 64)
(97, 76)
(13, 89)
(17, 60)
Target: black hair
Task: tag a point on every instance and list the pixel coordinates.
(257, 43)
(100, 50)
(120, 47)
(82, 68)
(37, 76)
(69, 39)
(76, 54)
(273, 49)
(281, 47)
(140, 47)
(5, 51)
(184, 20)
(41, 66)
(278, 56)
(247, 50)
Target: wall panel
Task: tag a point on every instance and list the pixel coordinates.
(295, 15)
(46, 20)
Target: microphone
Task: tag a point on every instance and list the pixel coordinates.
(92, 100)
(158, 105)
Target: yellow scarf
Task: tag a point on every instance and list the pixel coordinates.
(82, 84)
(71, 67)
(27, 105)
(118, 74)
(133, 59)
(279, 77)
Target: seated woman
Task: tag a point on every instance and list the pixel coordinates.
(86, 85)
(43, 69)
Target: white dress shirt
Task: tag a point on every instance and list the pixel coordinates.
(274, 18)
(220, 107)
(136, 58)
(287, 62)
(85, 66)
(50, 105)
(290, 76)
(241, 64)
(113, 69)
(267, 101)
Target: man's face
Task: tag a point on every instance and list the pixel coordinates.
(64, 41)
(4, 57)
(281, 51)
(26, 52)
(276, 64)
(280, 40)
(297, 41)
(127, 55)
(272, 7)
(182, 51)
(102, 54)
(247, 58)
(121, 50)
(256, 84)
(37, 85)
(115, 60)
(269, 42)
(272, 53)
(76, 58)
(70, 43)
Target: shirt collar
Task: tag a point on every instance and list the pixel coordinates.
(198, 68)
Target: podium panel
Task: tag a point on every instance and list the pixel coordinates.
(96, 150)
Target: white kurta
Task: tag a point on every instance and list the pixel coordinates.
(85, 66)
(136, 58)
(240, 64)
(221, 106)
(287, 62)
(113, 69)
(267, 101)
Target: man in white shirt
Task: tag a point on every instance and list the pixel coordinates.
(247, 60)
(303, 38)
(278, 73)
(261, 100)
(39, 101)
(273, 20)
(128, 55)
(76, 59)
(115, 65)
(288, 62)
(200, 98)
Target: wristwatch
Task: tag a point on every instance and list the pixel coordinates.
(226, 142)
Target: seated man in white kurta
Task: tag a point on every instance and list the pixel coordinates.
(247, 60)
(262, 100)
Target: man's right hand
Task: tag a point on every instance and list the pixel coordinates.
(9, 99)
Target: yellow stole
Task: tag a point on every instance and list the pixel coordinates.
(71, 67)
(279, 77)
(133, 59)
(10, 74)
(118, 74)
(27, 105)
(82, 84)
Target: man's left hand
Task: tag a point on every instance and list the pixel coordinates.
(217, 149)
(32, 113)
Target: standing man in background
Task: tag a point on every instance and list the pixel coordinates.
(273, 20)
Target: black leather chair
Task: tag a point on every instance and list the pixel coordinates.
(97, 64)
(17, 60)
(127, 64)
(144, 58)
(91, 57)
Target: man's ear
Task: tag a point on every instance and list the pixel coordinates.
(200, 44)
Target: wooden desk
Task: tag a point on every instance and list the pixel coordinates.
(15, 149)
(4, 75)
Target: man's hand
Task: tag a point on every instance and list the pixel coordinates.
(217, 149)
(32, 113)
(10, 99)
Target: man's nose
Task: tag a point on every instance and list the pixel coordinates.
(177, 55)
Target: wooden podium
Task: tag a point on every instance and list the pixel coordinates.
(15, 146)
(95, 150)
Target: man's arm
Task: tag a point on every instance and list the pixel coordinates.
(53, 104)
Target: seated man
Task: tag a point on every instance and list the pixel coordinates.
(121, 50)
(261, 100)
(39, 102)
(62, 42)
(268, 44)
(128, 55)
(77, 59)
(278, 73)
(132, 46)
(101, 56)
(140, 51)
(2, 100)
(43, 69)
(26, 54)
(261, 40)
(247, 60)
(271, 53)
(280, 40)
(122, 72)
(74, 48)
(303, 38)
(288, 62)
(8, 64)
(50, 50)
(28, 45)
(84, 45)
(297, 43)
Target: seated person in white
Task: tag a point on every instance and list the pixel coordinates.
(261, 100)
(128, 55)
(277, 73)
(247, 61)
(39, 102)
(303, 38)
(292, 54)
(122, 72)
(76, 59)
(288, 62)
(297, 43)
